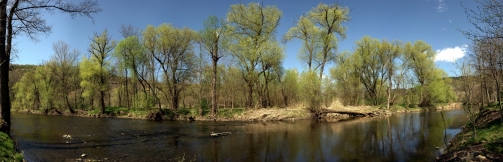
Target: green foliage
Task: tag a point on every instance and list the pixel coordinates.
(8, 149)
(290, 86)
(204, 106)
(96, 70)
(252, 31)
(230, 112)
(310, 85)
(129, 54)
(330, 19)
(347, 79)
(35, 90)
(26, 92)
(309, 33)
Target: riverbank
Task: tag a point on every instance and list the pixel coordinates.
(487, 146)
(8, 149)
(298, 112)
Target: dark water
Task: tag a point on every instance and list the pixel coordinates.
(401, 137)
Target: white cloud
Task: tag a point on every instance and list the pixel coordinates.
(451, 54)
(441, 6)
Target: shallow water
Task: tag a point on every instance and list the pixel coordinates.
(400, 137)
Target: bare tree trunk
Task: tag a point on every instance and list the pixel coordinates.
(4, 72)
(127, 92)
(68, 104)
(498, 94)
(214, 88)
(249, 100)
(102, 102)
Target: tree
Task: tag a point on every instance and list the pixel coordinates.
(62, 65)
(252, 28)
(347, 79)
(369, 64)
(175, 58)
(488, 32)
(486, 19)
(130, 55)
(27, 92)
(433, 85)
(289, 86)
(151, 66)
(309, 33)
(212, 39)
(488, 54)
(23, 16)
(96, 70)
(420, 56)
(309, 89)
(330, 19)
(389, 52)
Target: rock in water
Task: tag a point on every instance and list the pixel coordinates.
(481, 158)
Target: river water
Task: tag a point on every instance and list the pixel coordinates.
(400, 137)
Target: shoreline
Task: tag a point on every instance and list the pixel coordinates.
(259, 114)
(487, 146)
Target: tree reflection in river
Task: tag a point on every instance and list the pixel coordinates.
(401, 137)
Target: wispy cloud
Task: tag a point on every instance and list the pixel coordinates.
(441, 6)
(451, 54)
(450, 21)
(443, 29)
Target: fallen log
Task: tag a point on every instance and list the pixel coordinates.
(350, 113)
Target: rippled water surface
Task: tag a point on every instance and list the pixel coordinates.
(401, 137)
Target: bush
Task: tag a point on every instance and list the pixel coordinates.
(8, 149)
(310, 89)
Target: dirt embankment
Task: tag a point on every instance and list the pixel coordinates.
(464, 148)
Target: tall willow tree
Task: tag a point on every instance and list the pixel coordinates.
(347, 79)
(330, 19)
(63, 66)
(309, 33)
(252, 29)
(130, 55)
(432, 81)
(212, 39)
(175, 58)
(420, 56)
(96, 70)
(150, 38)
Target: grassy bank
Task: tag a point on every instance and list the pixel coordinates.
(8, 149)
(487, 146)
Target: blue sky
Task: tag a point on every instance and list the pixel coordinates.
(433, 21)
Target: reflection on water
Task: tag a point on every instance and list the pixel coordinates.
(401, 137)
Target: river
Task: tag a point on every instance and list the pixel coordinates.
(400, 137)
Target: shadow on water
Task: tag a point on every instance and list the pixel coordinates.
(400, 137)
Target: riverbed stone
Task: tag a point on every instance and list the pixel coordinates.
(481, 158)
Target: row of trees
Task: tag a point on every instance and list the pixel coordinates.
(481, 73)
(169, 67)
(389, 72)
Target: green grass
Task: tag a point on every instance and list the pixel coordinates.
(8, 150)
(120, 111)
(491, 133)
(227, 112)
